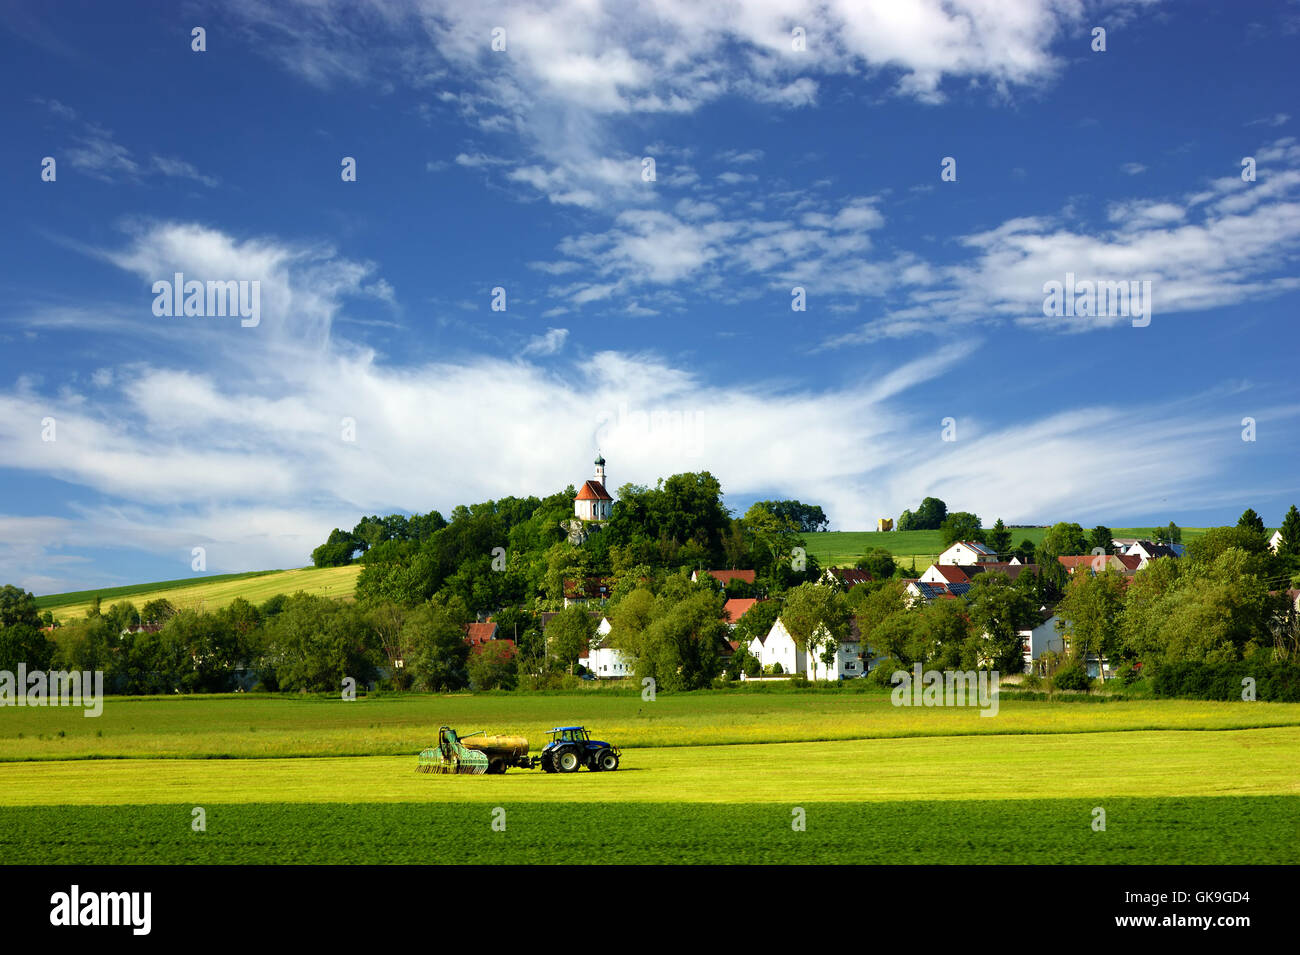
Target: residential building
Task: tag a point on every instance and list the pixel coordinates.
(967, 552)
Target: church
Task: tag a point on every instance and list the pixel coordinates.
(593, 502)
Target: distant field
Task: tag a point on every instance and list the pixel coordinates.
(261, 727)
(211, 593)
(843, 548)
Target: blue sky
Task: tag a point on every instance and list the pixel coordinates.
(650, 319)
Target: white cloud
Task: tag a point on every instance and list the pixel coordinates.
(548, 344)
(247, 458)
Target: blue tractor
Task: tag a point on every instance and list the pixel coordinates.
(571, 748)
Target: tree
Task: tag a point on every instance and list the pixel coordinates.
(807, 518)
(1289, 546)
(999, 610)
(18, 606)
(817, 618)
(906, 521)
(757, 621)
(25, 644)
(681, 647)
(961, 526)
(568, 634)
(1249, 520)
(878, 562)
(1092, 611)
(1062, 540)
(492, 667)
(437, 653)
(930, 515)
(1101, 539)
(1025, 551)
(1172, 534)
(337, 550)
(999, 540)
(157, 612)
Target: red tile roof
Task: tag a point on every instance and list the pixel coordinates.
(593, 491)
(593, 588)
(726, 576)
(851, 576)
(737, 607)
(952, 573)
(477, 634)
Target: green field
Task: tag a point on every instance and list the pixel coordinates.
(1258, 830)
(263, 726)
(706, 777)
(843, 548)
(210, 593)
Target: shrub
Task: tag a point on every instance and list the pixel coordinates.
(1071, 675)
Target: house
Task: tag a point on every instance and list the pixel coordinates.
(479, 635)
(777, 646)
(849, 577)
(608, 663)
(945, 574)
(884, 524)
(724, 577)
(593, 502)
(1275, 541)
(924, 590)
(967, 552)
(736, 608)
(1099, 563)
(1151, 551)
(587, 589)
(1041, 638)
(1011, 568)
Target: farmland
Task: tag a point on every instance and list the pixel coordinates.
(211, 593)
(706, 777)
(842, 548)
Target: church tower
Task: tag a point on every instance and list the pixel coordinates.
(593, 502)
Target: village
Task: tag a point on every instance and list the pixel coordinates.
(778, 655)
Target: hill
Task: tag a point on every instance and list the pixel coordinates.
(211, 593)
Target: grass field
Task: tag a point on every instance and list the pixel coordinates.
(257, 726)
(1139, 831)
(706, 777)
(211, 593)
(843, 548)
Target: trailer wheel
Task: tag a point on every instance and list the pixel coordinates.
(497, 767)
(607, 760)
(567, 760)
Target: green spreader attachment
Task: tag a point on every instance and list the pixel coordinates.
(452, 756)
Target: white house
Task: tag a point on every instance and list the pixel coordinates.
(1149, 551)
(1275, 541)
(606, 662)
(967, 552)
(777, 646)
(593, 502)
(1041, 638)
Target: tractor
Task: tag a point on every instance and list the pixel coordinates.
(571, 748)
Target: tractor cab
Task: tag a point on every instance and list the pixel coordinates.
(570, 734)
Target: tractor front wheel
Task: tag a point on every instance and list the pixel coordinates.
(567, 761)
(607, 760)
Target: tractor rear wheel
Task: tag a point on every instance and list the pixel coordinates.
(607, 760)
(567, 761)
